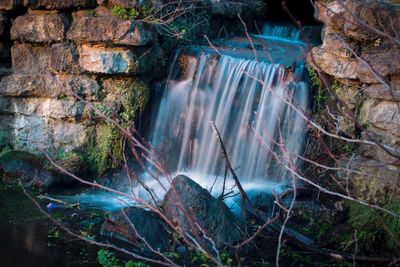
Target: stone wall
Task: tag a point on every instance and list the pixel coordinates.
(361, 51)
(69, 58)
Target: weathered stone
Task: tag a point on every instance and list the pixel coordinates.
(381, 115)
(110, 29)
(64, 58)
(18, 165)
(28, 59)
(209, 213)
(137, 222)
(379, 91)
(373, 180)
(356, 18)
(43, 107)
(338, 44)
(384, 62)
(108, 60)
(340, 67)
(63, 4)
(37, 134)
(39, 28)
(48, 85)
(58, 58)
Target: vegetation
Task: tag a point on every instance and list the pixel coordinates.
(107, 258)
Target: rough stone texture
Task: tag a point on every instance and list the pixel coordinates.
(30, 59)
(374, 64)
(340, 67)
(36, 134)
(63, 58)
(382, 115)
(355, 17)
(145, 223)
(211, 214)
(101, 59)
(48, 85)
(110, 29)
(381, 179)
(63, 4)
(33, 27)
(47, 107)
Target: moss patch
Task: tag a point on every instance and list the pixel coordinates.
(375, 229)
(125, 99)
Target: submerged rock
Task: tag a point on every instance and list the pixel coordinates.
(19, 165)
(142, 222)
(211, 214)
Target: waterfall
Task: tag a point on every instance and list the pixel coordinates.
(249, 102)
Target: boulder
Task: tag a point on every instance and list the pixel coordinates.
(15, 165)
(379, 91)
(110, 29)
(337, 44)
(63, 4)
(48, 85)
(209, 213)
(137, 222)
(63, 58)
(39, 28)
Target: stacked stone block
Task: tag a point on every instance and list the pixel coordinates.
(361, 51)
(70, 57)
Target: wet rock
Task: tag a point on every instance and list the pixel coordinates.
(211, 214)
(48, 85)
(27, 167)
(33, 27)
(110, 29)
(146, 224)
(63, 4)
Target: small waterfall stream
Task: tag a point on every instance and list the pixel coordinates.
(247, 101)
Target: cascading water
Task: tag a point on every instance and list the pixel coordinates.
(254, 97)
(250, 103)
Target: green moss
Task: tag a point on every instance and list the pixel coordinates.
(321, 95)
(105, 150)
(374, 228)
